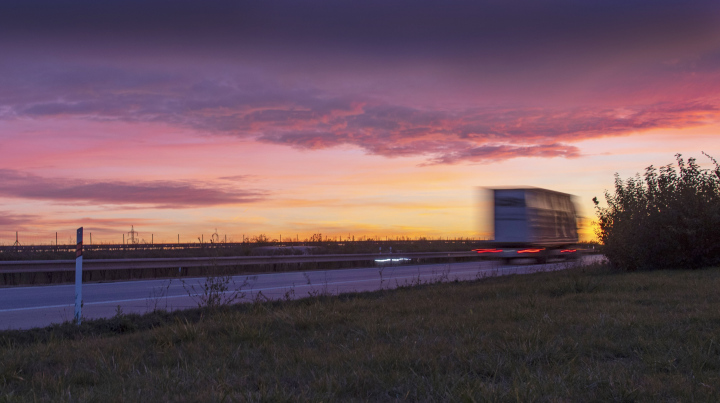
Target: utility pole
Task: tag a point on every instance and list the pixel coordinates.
(78, 276)
(134, 235)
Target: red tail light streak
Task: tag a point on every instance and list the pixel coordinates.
(487, 250)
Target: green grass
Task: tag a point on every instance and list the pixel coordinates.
(580, 335)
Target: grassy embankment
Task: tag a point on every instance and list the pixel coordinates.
(580, 335)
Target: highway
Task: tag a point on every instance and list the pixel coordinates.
(38, 306)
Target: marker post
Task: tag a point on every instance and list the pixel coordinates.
(78, 276)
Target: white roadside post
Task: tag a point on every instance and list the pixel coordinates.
(78, 276)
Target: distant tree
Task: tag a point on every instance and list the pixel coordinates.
(666, 220)
(262, 239)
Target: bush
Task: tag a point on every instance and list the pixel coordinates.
(668, 219)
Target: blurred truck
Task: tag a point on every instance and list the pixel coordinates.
(533, 223)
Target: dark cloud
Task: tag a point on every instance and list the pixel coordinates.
(165, 194)
(360, 26)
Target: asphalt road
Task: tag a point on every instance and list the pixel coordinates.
(37, 306)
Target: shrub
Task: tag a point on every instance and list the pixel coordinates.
(667, 219)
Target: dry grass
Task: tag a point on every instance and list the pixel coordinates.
(583, 335)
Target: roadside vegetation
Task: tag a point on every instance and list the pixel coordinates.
(585, 334)
(667, 219)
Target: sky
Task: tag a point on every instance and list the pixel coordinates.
(347, 118)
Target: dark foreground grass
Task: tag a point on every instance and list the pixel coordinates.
(580, 335)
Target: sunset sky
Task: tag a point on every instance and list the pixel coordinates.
(374, 118)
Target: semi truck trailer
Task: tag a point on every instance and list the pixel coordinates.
(532, 223)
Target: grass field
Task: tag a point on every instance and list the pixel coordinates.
(581, 335)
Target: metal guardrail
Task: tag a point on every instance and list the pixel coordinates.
(217, 245)
(37, 266)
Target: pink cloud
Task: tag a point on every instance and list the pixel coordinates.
(503, 152)
(309, 118)
(8, 219)
(161, 194)
(490, 134)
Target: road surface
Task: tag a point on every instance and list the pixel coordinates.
(38, 306)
